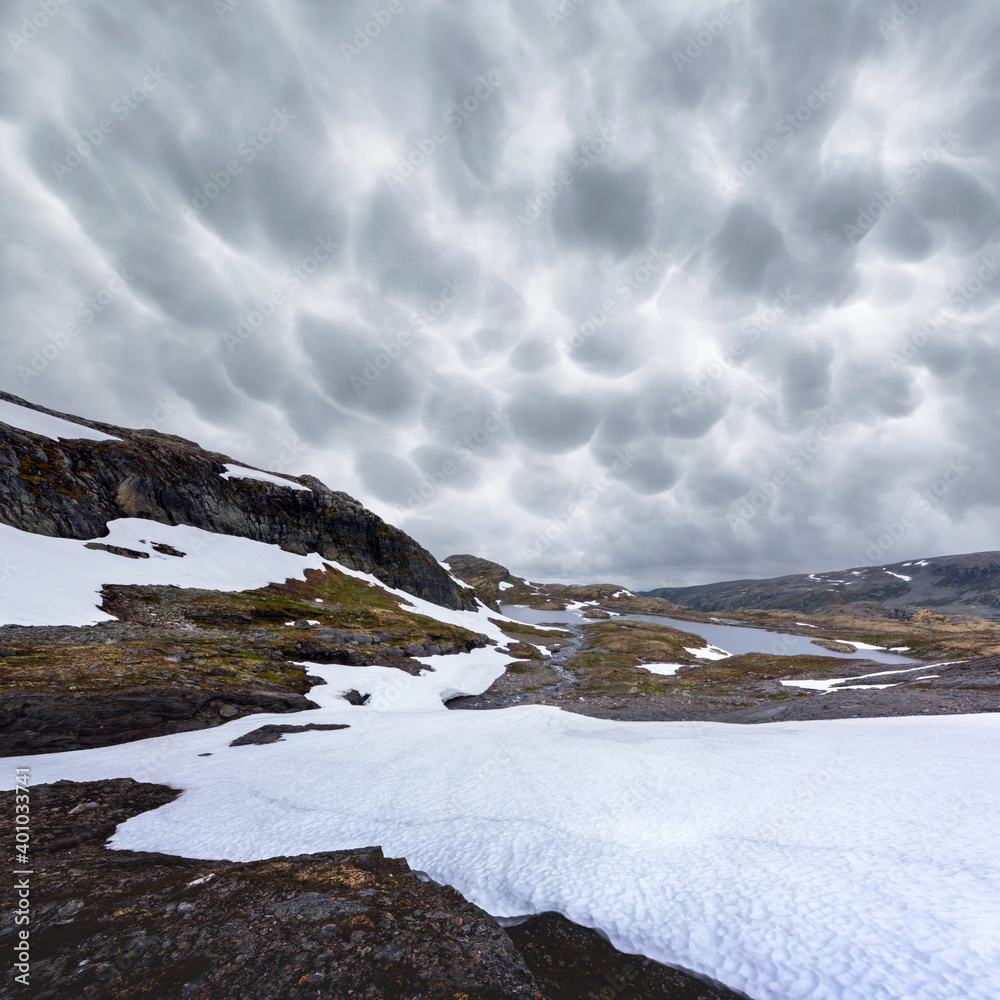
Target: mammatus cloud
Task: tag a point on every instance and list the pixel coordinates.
(657, 293)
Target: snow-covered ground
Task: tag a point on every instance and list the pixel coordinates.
(26, 419)
(57, 581)
(31, 564)
(853, 859)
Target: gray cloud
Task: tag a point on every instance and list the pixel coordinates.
(736, 250)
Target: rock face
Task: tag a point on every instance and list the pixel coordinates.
(967, 584)
(72, 488)
(482, 574)
(35, 722)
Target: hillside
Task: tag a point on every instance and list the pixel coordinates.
(55, 481)
(966, 584)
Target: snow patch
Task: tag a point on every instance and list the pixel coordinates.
(54, 428)
(708, 653)
(664, 669)
(57, 581)
(241, 472)
(898, 575)
(832, 684)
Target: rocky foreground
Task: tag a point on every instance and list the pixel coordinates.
(130, 925)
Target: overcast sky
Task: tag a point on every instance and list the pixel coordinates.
(648, 292)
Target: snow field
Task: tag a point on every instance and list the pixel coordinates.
(849, 859)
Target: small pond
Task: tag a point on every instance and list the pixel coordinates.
(733, 639)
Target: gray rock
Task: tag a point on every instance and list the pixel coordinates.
(73, 488)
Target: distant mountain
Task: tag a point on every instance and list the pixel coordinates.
(67, 477)
(968, 584)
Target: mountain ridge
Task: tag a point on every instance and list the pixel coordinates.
(967, 583)
(72, 488)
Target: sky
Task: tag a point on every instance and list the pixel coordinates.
(657, 293)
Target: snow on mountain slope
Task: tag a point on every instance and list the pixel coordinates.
(242, 472)
(57, 581)
(840, 860)
(36, 422)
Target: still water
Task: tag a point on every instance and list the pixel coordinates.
(733, 639)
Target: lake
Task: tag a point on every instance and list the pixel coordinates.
(734, 639)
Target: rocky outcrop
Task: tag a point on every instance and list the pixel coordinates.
(36, 722)
(575, 963)
(72, 488)
(494, 585)
(482, 574)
